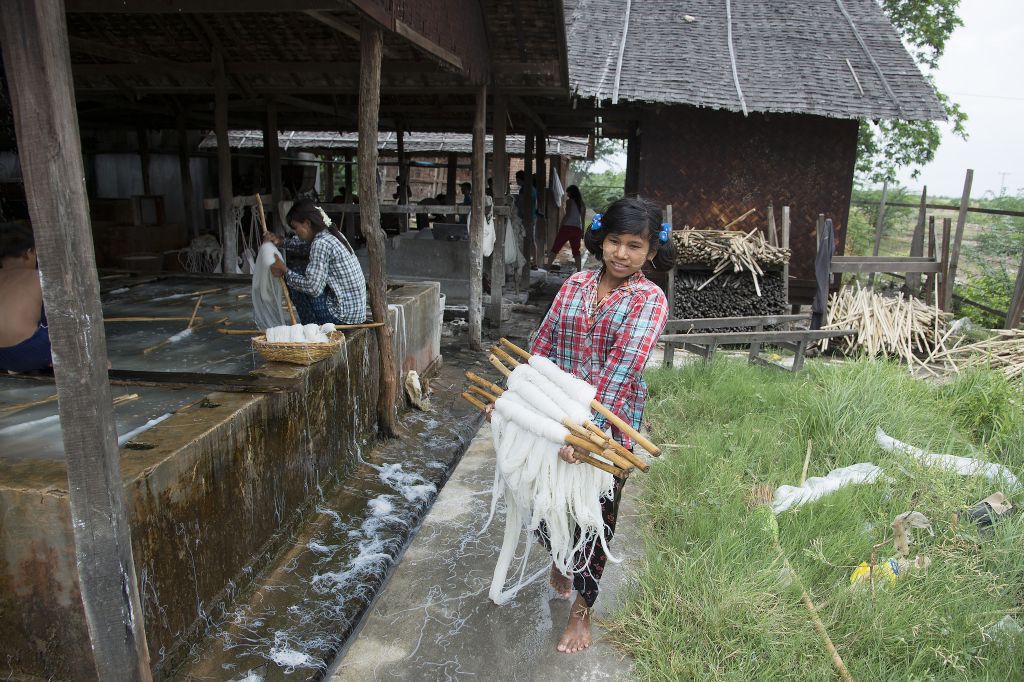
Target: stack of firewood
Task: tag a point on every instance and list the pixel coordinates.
(1003, 352)
(727, 251)
(729, 295)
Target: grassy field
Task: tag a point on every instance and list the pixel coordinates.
(707, 602)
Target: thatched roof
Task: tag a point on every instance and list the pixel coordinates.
(838, 58)
(414, 143)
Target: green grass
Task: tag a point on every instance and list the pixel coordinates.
(707, 602)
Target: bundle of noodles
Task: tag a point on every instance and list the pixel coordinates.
(537, 485)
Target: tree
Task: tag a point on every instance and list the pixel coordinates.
(885, 146)
(600, 188)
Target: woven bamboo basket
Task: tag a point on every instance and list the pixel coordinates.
(298, 353)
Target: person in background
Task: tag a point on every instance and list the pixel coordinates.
(526, 207)
(24, 336)
(467, 199)
(332, 287)
(572, 227)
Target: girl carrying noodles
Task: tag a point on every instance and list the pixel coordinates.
(331, 288)
(602, 326)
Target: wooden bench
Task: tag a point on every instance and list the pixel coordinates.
(692, 335)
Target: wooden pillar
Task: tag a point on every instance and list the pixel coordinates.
(188, 197)
(143, 144)
(348, 177)
(272, 150)
(917, 243)
(228, 236)
(451, 191)
(961, 220)
(371, 43)
(540, 181)
(928, 292)
(403, 182)
(476, 226)
(37, 62)
(527, 207)
(329, 180)
(879, 228)
(500, 175)
(785, 245)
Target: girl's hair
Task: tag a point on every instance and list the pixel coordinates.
(15, 239)
(306, 209)
(633, 215)
(574, 194)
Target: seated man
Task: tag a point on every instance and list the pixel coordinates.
(24, 337)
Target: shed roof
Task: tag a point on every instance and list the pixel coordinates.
(414, 143)
(838, 58)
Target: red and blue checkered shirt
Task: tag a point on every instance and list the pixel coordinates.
(607, 346)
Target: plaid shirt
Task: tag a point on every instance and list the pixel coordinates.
(607, 347)
(334, 268)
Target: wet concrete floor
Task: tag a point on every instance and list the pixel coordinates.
(434, 621)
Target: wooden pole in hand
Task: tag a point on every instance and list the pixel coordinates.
(37, 61)
(371, 46)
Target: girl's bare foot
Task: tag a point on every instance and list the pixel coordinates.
(560, 583)
(577, 631)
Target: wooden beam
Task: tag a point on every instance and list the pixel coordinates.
(527, 208)
(917, 243)
(338, 25)
(138, 60)
(228, 238)
(961, 221)
(427, 45)
(522, 106)
(371, 43)
(500, 175)
(476, 223)
(402, 179)
(944, 259)
(196, 6)
(451, 189)
(33, 34)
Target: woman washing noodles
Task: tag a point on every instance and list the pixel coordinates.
(331, 288)
(601, 327)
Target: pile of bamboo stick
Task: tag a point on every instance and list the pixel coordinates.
(891, 326)
(728, 251)
(1003, 352)
(592, 445)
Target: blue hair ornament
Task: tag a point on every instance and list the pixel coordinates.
(595, 223)
(666, 230)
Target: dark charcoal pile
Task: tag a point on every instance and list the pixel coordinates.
(729, 295)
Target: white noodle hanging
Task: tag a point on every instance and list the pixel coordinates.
(537, 485)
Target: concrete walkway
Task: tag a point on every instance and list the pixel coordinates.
(434, 621)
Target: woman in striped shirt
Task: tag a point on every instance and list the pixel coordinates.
(331, 288)
(602, 327)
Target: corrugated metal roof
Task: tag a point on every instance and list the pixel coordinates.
(415, 143)
(838, 58)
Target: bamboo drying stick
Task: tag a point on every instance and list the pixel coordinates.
(569, 440)
(146, 319)
(738, 219)
(613, 418)
(338, 327)
(195, 310)
(600, 440)
(24, 406)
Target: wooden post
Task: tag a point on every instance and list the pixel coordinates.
(228, 236)
(785, 245)
(329, 180)
(272, 149)
(1013, 314)
(476, 226)
(500, 174)
(954, 255)
(944, 274)
(33, 34)
(528, 207)
(143, 143)
(917, 244)
(929, 280)
(879, 226)
(188, 197)
(540, 181)
(371, 45)
(773, 235)
(403, 182)
(452, 190)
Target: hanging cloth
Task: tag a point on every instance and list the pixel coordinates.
(266, 289)
(557, 191)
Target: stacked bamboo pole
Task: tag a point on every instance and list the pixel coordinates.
(728, 251)
(1003, 352)
(593, 446)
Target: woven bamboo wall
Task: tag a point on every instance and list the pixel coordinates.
(712, 166)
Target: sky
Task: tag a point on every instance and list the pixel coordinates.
(982, 70)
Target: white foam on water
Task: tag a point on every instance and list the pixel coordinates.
(287, 657)
(381, 505)
(320, 548)
(183, 334)
(412, 487)
(251, 676)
